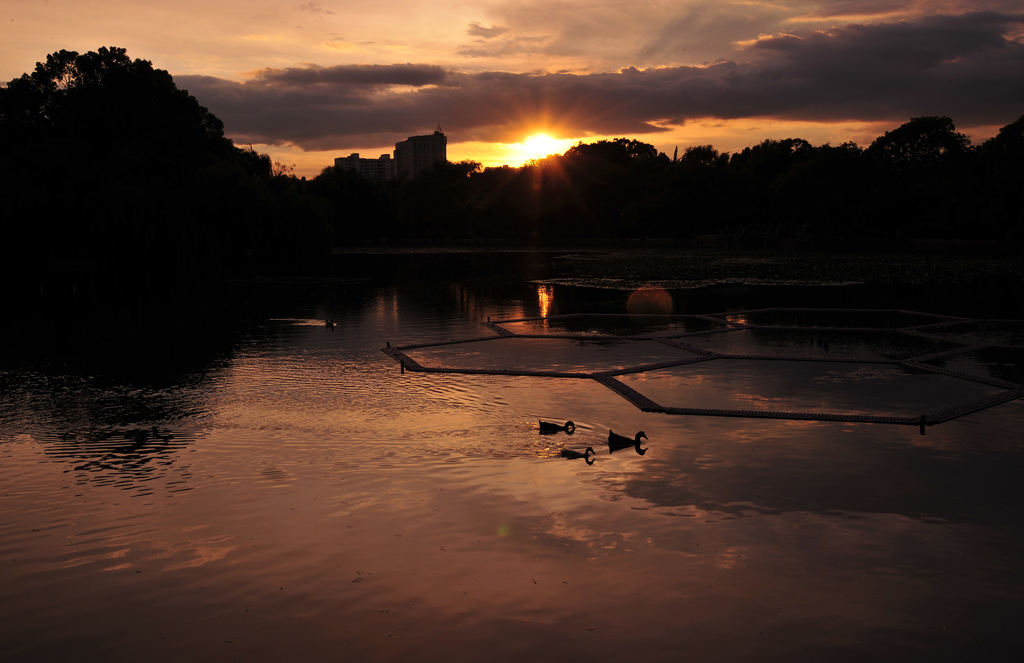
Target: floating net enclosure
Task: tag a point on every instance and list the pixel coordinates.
(859, 365)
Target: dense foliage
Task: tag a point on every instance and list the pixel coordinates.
(107, 163)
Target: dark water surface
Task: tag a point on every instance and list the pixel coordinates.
(218, 476)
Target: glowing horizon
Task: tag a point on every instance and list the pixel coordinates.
(306, 83)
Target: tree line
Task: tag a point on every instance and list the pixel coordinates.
(106, 162)
(921, 180)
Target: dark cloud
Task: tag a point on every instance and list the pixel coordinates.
(963, 66)
(604, 35)
(478, 30)
(907, 8)
(357, 74)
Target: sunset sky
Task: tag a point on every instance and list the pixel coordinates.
(309, 81)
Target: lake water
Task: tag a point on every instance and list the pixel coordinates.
(219, 476)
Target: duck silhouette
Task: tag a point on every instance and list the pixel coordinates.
(587, 455)
(617, 442)
(547, 428)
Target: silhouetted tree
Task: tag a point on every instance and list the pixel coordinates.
(357, 209)
(254, 163)
(111, 102)
(619, 151)
(438, 202)
(822, 196)
(704, 156)
(999, 173)
(923, 141)
(926, 191)
(107, 161)
(1009, 140)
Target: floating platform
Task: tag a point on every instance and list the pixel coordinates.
(900, 340)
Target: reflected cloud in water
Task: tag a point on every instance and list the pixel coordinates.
(771, 468)
(321, 482)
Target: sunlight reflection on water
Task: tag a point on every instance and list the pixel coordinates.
(299, 496)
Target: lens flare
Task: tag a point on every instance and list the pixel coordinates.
(649, 300)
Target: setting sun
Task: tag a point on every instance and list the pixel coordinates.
(538, 146)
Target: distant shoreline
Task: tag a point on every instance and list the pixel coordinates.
(881, 245)
(624, 266)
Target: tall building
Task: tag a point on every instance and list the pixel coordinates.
(418, 153)
(382, 168)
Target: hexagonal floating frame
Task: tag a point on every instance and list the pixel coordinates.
(902, 341)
